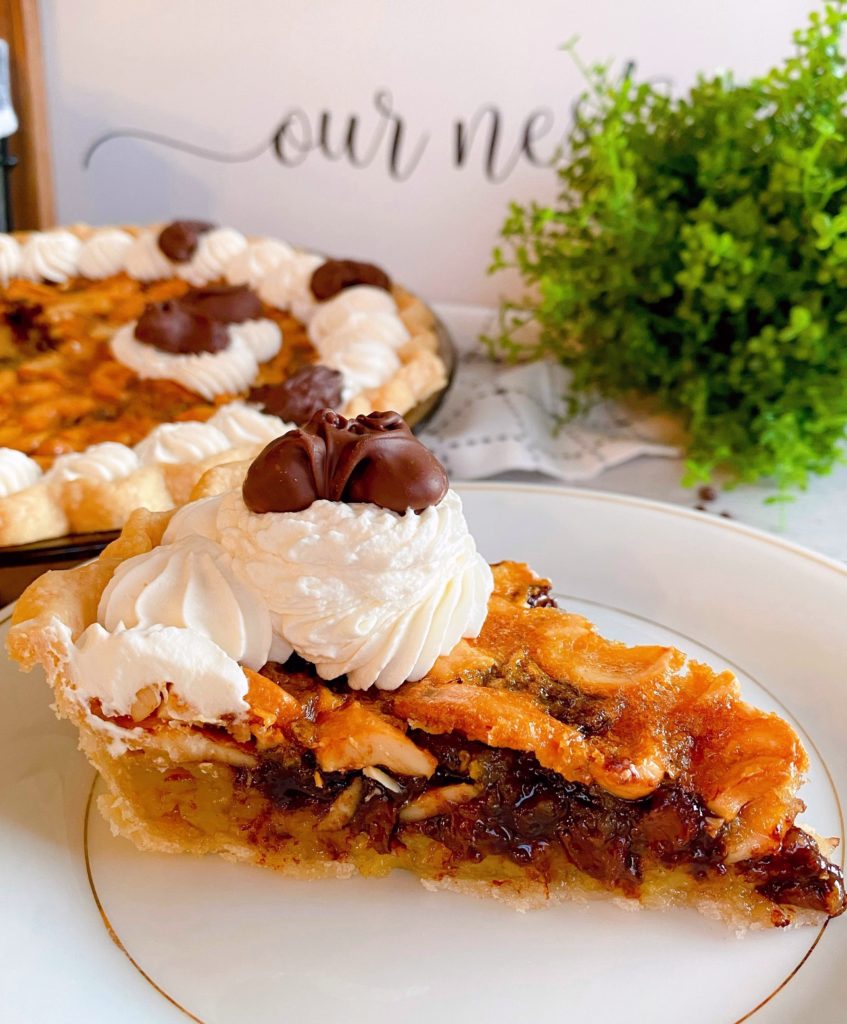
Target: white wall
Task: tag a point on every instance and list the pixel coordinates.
(224, 74)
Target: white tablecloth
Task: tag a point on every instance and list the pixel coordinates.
(816, 518)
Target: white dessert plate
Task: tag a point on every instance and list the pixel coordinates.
(91, 930)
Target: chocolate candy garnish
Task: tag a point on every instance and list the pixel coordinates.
(306, 392)
(229, 303)
(334, 276)
(197, 321)
(178, 241)
(374, 458)
(175, 328)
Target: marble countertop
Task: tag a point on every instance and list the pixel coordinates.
(816, 518)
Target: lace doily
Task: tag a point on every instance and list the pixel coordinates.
(496, 418)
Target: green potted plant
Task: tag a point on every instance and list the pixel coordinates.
(697, 254)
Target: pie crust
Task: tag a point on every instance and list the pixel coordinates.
(32, 514)
(538, 761)
(93, 505)
(61, 391)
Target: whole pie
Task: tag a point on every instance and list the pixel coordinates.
(310, 667)
(134, 359)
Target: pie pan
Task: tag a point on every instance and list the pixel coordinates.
(65, 551)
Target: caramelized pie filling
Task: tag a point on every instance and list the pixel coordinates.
(537, 753)
(532, 816)
(60, 388)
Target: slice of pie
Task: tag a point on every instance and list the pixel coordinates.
(314, 670)
(134, 359)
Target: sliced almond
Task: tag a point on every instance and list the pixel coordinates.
(145, 703)
(343, 807)
(439, 801)
(356, 737)
(383, 778)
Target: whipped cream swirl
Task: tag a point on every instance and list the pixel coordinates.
(358, 333)
(173, 443)
(145, 261)
(178, 619)
(207, 373)
(103, 254)
(50, 256)
(17, 471)
(361, 300)
(362, 360)
(262, 337)
(355, 589)
(384, 329)
(196, 519)
(243, 424)
(10, 259)
(205, 683)
(251, 264)
(107, 461)
(288, 285)
(189, 585)
(215, 249)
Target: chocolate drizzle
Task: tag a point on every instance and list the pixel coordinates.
(228, 303)
(306, 392)
(178, 241)
(175, 328)
(374, 459)
(334, 276)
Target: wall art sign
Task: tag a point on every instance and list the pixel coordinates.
(390, 129)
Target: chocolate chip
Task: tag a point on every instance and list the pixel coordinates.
(334, 276)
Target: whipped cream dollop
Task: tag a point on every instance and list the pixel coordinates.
(17, 471)
(361, 300)
(173, 443)
(107, 461)
(104, 253)
(250, 265)
(287, 286)
(363, 360)
(262, 337)
(189, 585)
(244, 424)
(145, 261)
(204, 684)
(195, 519)
(215, 250)
(208, 374)
(354, 588)
(50, 256)
(385, 329)
(358, 333)
(10, 259)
